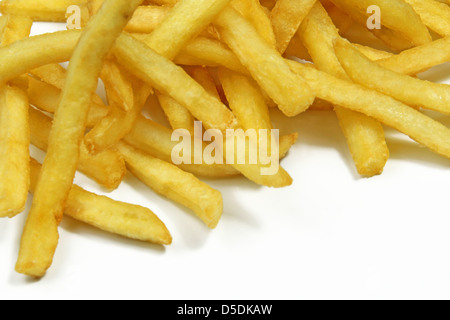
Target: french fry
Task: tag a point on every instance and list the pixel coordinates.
(146, 18)
(14, 142)
(286, 17)
(156, 140)
(372, 53)
(290, 92)
(40, 10)
(117, 123)
(170, 79)
(22, 56)
(55, 75)
(393, 113)
(257, 16)
(209, 52)
(14, 131)
(118, 89)
(419, 59)
(175, 184)
(397, 15)
(245, 100)
(182, 24)
(434, 15)
(409, 90)
(56, 178)
(365, 136)
(126, 220)
(178, 116)
(204, 52)
(107, 168)
(46, 97)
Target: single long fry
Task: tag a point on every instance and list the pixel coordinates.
(365, 136)
(290, 92)
(286, 16)
(14, 152)
(36, 252)
(107, 168)
(171, 79)
(127, 220)
(396, 15)
(411, 91)
(419, 127)
(14, 131)
(245, 99)
(175, 184)
(178, 116)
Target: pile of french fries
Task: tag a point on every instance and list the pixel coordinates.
(222, 62)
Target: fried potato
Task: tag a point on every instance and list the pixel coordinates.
(203, 51)
(258, 17)
(55, 75)
(290, 92)
(14, 131)
(171, 79)
(118, 89)
(178, 116)
(183, 23)
(107, 168)
(396, 15)
(127, 220)
(117, 123)
(409, 90)
(36, 251)
(14, 142)
(365, 136)
(25, 55)
(175, 184)
(393, 113)
(434, 15)
(40, 10)
(419, 59)
(46, 97)
(286, 17)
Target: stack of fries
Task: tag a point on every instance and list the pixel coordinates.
(223, 63)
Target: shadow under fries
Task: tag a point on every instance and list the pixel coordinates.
(438, 74)
(318, 129)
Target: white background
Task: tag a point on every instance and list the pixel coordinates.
(331, 235)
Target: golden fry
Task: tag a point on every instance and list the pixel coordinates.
(36, 252)
(409, 90)
(291, 93)
(127, 220)
(175, 184)
(107, 168)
